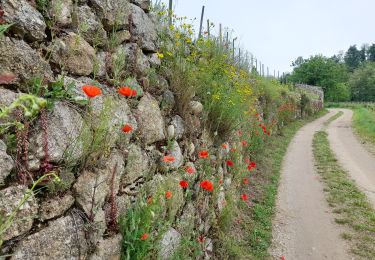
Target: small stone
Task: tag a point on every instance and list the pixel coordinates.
(191, 149)
(100, 67)
(74, 54)
(55, 206)
(171, 131)
(25, 63)
(6, 163)
(175, 151)
(10, 198)
(137, 165)
(90, 27)
(109, 248)
(144, 4)
(113, 13)
(169, 243)
(63, 238)
(196, 107)
(136, 61)
(179, 125)
(65, 126)
(116, 112)
(28, 22)
(221, 202)
(144, 29)
(61, 12)
(168, 100)
(7, 97)
(150, 120)
(186, 222)
(96, 186)
(154, 60)
(122, 36)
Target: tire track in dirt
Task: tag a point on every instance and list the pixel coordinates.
(351, 154)
(304, 226)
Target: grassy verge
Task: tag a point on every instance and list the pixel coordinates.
(350, 205)
(246, 232)
(364, 123)
(333, 118)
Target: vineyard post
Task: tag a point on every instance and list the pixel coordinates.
(278, 74)
(220, 36)
(263, 70)
(268, 72)
(233, 47)
(227, 41)
(274, 73)
(239, 58)
(208, 28)
(170, 12)
(201, 23)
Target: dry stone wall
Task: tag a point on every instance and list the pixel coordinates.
(81, 42)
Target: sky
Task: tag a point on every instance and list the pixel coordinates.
(276, 32)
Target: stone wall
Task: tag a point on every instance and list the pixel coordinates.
(81, 43)
(312, 89)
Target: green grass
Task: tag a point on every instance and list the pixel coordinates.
(364, 123)
(252, 238)
(349, 204)
(333, 118)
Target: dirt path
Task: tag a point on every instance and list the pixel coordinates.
(304, 227)
(351, 153)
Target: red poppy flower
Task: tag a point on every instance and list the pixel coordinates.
(244, 197)
(168, 194)
(221, 181)
(224, 146)
(144, 236)
(127, 128)
(233, 150)
(134, 93)
(91, 91)
(230, 163)
(239, 132)
(207, 185)
(201, 239)
(184, 184)
(252, 165)
(190, 170)
(247, 160)
(203, 154)
(245, 181)
(125, 91)
(244, 143)
(168, 159)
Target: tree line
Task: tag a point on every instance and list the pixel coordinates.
(346, 76)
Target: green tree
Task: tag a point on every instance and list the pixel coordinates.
(362, 82)
(353, 58)
(363, 52)
(324, 72)
(371, 53)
